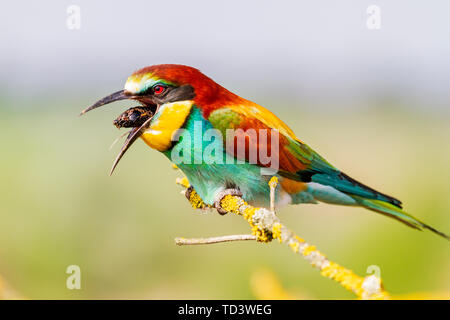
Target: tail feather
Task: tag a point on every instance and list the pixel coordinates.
(396, 213)
(350, 186)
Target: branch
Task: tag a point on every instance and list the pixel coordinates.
(195, 241)
(266, 226)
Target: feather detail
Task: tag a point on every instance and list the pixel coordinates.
(397, 213)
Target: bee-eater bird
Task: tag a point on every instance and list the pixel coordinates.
(179, 106)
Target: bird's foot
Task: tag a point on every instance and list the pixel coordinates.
(188, 192)
(221, 195)
(194, 198)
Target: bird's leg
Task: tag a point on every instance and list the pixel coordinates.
(221, 195)
(194, 199)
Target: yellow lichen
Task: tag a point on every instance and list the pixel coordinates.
(196, 201)
(308, 249)
(350, 281)
(248, 214)
(295, 246)
(267, 232)
(273, 182)
(276, 231)
(230, 204)
(233, 204)
(261, 234)
(184, 182)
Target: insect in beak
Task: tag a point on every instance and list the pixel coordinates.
(137, 118)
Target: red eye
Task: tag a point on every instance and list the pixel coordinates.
(158, 89)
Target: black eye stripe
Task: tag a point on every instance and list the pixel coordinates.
(185, 92)
(170, 93)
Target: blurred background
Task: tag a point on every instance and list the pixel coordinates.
(374, 102)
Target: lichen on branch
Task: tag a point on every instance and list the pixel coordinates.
(266, 226)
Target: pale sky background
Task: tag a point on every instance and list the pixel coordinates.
(307, 51)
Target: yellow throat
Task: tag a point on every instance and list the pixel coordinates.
(169, 118)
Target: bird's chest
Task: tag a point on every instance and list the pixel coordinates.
(199, 151)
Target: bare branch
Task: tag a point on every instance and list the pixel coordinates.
(196, 241)
(273, 185)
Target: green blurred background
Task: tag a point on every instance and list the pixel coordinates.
(59, 207)
(373, 104)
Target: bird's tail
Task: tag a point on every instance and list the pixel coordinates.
(396, 213)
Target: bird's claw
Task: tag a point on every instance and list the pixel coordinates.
(221, 195)
(188, 192)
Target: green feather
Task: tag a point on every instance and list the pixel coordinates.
(396, 213)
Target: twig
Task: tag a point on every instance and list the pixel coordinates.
(196, 241)
(273, 185)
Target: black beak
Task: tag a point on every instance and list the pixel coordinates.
(137, 131)
(116, 96)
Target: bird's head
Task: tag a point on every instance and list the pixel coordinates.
(156, 86)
